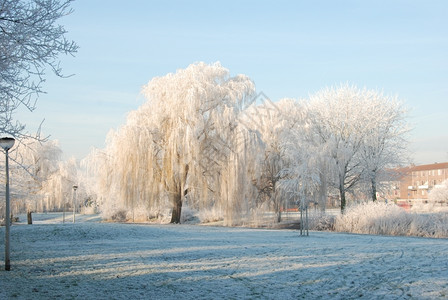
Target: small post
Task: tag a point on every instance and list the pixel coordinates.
(306, 220)
(74, 201)
(29, 217)
(304, 226)
(301, 217)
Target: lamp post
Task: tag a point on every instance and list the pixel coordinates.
(63, 207)
(74, 202)
(6, 143)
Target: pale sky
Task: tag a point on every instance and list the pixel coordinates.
(289, 48)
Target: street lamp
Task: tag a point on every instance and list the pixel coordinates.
(74, 201)
(6, 143)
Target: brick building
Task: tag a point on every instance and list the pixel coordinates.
(416, 182)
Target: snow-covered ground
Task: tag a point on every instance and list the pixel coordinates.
(93, 260)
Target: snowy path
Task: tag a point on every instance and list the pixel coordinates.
(120, 261)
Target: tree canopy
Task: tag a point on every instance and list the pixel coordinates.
(203, 141)
(31, 41)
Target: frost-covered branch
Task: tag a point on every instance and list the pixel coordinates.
(363, 132)
(31, 41)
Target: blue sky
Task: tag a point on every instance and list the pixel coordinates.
(289, 48)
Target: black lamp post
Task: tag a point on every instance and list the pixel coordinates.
(6, 143)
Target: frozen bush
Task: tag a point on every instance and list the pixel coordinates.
(422, 207)
(138, 214)
(119, 216)
(158, 215)
(440, 193)
(430, 225)
(372, 218)
(389, 219)
(189, 215)
(321, 221)
(88, 210)
(210, 215)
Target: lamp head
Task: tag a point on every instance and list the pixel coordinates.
(7, 142)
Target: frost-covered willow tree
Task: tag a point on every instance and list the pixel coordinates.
(300, 174)
(274, 122)
(33, 164)
(183, 145)
(57, 190)
(30, 42)
(40, 180)
(360, 132)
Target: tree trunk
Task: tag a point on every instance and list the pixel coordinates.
(176, 199)
(322, 192)
(277, 206)
(373, 190)
(342, 194)
(177, 194)
(279, 216)
(29, 217)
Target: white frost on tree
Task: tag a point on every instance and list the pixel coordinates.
(183, 145)
(385, 145)
(274, 122)
(40, 180)
(197, 143)
(439, 194)
(30, 42)
(300, 176)
(361, 131)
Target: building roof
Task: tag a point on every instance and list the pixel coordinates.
(434, 166)
(406, 171)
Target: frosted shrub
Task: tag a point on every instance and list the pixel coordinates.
(321, 222)
(118, 216)
(189, 215)
(437, 200)
(210, 215)
(422, 207)
(430, 225)
(389, 219)
(373, 218)
(138, 214)
(440, 193)
(158, 215)
(89, 210)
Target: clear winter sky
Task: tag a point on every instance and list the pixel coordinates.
(289, 48)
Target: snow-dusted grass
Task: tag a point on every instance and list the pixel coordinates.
(389, 219)
(91, 260)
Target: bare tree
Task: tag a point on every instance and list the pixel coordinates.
(31, 41)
